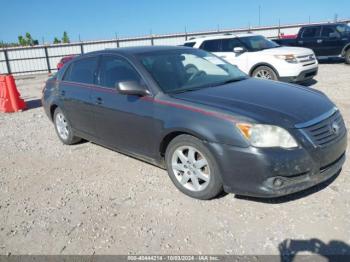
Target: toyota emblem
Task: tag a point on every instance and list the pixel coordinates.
(335, 128)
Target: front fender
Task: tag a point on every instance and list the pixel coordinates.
(207, 127)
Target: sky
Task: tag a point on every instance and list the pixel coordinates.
(97, 20)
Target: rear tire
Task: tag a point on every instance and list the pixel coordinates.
(347, 56)
(265, 72)
(192, 168)
(63, 128)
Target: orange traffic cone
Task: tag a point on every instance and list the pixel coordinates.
(10, 100)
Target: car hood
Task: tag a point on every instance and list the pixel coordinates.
(286, 50)
(263, 101)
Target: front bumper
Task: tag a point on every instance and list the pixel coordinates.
(277, 172)
(303, 76)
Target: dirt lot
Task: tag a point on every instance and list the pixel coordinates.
(86, 199)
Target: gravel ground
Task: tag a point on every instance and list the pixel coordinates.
(86, 199)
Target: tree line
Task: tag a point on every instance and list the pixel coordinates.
(27, 40)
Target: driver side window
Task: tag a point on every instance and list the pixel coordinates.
(114, 70)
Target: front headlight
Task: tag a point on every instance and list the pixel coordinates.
(288, 58)
(267, 135)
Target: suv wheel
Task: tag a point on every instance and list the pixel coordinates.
(265, 72)
(63, 128)
(192, 168)
(347, 56)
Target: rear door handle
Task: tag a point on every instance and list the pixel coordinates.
(98, 100)
(63, 93)
(319, 41)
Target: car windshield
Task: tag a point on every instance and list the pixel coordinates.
(343, 29)
(188, 69)
(257, 43)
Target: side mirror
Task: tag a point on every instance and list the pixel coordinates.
(239, 50)
(334, 35)
(132, 88)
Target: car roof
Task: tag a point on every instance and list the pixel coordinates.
(138, 49)
(324, 24)
(228, 36)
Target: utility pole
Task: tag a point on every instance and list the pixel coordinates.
(259, 15)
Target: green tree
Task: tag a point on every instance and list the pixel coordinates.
(56, 41)
(22, 41)
(29, 39)
(65, 38)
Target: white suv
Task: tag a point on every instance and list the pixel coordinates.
(260, 57)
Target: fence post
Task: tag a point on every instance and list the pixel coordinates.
(152, 41)
(81, 48)
(47, 60)
(117, 42)
(7, 62)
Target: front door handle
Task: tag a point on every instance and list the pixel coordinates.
(319, 41)
(300, 42)
(63, 93)
(98, 100)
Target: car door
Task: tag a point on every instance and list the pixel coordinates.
(123, 122)
(310, 38)
(75, 91)
(331, 41)
(238, 59)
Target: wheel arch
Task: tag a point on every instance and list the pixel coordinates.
(263, 64)
(52, 110)
(171, 134)
(346, 48)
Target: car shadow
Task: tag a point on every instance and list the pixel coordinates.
(309, 82)
(335, 60)
(333, 251)
(293, 196)
(32, 104)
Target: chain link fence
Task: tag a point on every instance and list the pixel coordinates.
(44, 58)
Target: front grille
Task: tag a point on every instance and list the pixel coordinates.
(309, 64)
(306, 59)
(327, 130)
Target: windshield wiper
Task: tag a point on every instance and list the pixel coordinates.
(231, 81)
(189, 89)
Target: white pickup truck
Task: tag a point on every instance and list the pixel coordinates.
(260, 57)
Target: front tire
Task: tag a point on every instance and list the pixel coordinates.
(192, 168)
(265, 72)
(347, 56)
(63, 128)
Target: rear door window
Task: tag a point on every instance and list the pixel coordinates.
(211, 45)
(82, 71)
(114, 69)
(311, 32)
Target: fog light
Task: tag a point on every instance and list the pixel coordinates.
(277, 182)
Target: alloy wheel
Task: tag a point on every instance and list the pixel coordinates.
(62, 126)
(191, 168)
(264, 74)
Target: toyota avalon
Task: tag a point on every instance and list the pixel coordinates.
(210, 125)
